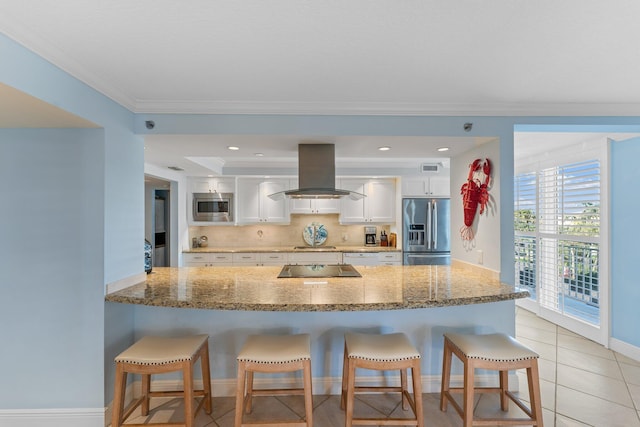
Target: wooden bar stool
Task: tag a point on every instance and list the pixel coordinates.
(382, 353)
(497, 352)
(273, 354)
(159, 355)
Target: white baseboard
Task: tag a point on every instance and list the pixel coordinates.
(624, 348)
(71, 417)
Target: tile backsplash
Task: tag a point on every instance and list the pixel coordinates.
(263, 235)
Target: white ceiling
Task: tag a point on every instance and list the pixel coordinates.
(334, 56)
(415, 57)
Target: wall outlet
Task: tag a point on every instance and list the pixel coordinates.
(345, 237)
(480, 256)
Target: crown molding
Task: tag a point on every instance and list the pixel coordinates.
(58, 58)
(387, 108)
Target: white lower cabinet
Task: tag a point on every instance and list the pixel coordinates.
(389, 258)
(360, 258)
(259, 258)
(207, 259)
(315, 257)
(372, 258)
(221, 259)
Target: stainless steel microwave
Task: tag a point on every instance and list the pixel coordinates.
(213, 207)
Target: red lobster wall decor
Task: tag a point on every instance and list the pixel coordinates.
(474, 192)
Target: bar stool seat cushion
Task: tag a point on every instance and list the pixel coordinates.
(491, 347)
(276, 349)
(151, 350)
(380, 348)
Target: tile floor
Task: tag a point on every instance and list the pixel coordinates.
(582, 384)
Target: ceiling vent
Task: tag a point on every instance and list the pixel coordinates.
(430, 167)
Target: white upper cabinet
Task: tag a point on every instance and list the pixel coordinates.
(255, 205)
(210, 185)
(377, 207)
(313, 206)
(434, 186)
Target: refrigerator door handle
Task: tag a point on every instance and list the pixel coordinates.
(429, 226)
(434, 224)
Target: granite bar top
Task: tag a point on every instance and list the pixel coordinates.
(210, 249)
(259, 289)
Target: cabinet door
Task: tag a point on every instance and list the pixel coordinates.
(426, 186)
(270, 258)
(207, 185)
(415, 186)
(274, 210)
(243, 258)
(440, 186)
(381, 201)
(353, 211)
(248, 200)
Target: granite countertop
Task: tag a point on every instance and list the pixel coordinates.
(259, 289)
(210, 249)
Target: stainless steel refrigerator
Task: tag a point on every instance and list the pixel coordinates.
(426, 235)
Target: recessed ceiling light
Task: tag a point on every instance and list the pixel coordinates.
(210, 176)
(443, 149)
(233, 148)
(385, 148)
(258, 154)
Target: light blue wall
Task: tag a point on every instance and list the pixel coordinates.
(625, 236)
(53, 298)
(51, 268)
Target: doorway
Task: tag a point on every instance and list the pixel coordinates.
(158, 219)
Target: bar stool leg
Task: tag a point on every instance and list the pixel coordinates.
(534, 391)
(345, 364)
(404, 389)
(504, 386)
(240, 385)
(446, 376)
(146, 389)
(118, 400)
(187, 379)
(416, 377)
(206, 378)
(249, 398)
(308, 393)
(351, 384)
(469, 391)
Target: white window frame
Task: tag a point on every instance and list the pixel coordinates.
(570, 155)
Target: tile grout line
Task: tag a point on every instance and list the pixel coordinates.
(626, 384)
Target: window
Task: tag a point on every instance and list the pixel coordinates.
(557, 244)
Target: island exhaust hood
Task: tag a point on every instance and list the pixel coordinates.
(316, 175)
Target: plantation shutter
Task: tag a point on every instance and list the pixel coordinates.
(568, 231)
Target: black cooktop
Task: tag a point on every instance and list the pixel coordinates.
(318, 270)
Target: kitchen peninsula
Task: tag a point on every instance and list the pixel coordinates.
(230, 303)
(260, 289)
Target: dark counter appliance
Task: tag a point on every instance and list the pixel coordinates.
(318, 270)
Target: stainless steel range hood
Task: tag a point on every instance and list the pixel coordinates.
(317, 175)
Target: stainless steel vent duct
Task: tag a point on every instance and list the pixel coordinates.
(317, 175)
